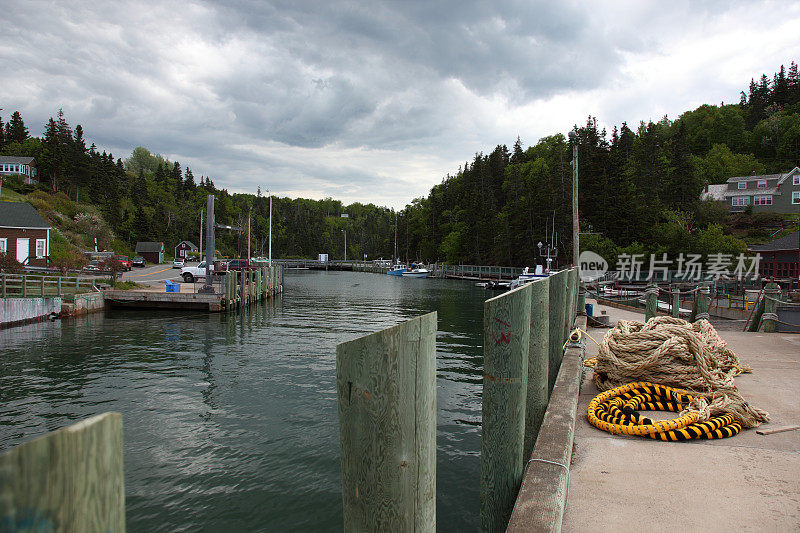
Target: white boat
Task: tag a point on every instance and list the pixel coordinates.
(398, 270)
(416, 273)
(527, 276)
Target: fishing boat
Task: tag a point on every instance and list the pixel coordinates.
(416, 272)
(398, 270)
(527, 276)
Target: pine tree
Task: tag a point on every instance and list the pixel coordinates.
(15, 129)
(2, 135)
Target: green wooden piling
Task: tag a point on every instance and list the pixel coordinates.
(506, 343)
(538, 363)
(651, 305)
(702, 296)
(676, 303)
(59, 285)
(569, 302)
(771, 294)
(557, 290)
(4, 285)
(24, 285)
(68, 480)
(386, 389)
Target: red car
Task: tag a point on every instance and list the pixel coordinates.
(126, 263)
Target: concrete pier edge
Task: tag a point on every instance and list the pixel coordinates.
(545, 486)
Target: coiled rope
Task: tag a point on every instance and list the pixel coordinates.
(675, 353)
(616, 411)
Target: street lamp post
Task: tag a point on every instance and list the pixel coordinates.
(573, 137)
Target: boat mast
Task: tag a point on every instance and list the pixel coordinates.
(395, 239)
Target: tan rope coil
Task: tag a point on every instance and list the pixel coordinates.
(676, 353)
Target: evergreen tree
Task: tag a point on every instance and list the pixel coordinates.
(15, 129)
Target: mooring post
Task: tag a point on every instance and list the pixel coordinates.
(386, 390)
(506, 343)
(651, 301)
(538, 363)
(569, 302)
(771, 294)
(68, 480)
(557, 291)
(676, 302)
(703, 296)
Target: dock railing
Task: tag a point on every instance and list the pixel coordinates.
(43, 285)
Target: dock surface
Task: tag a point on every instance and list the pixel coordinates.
(748, 482)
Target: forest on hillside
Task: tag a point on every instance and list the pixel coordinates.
(639, 191)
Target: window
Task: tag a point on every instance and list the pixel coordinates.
(3, 246)
(764, 199)
(796, 179)
(796, 197)
(41, 245)
(762, 184)
(740, 201)
(742, 184)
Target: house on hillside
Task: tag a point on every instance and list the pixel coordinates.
(771, 193)
(779, 258)
(153, 252)
(24, 166)
(24, 233)
(184, 248)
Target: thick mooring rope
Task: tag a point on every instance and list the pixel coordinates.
(676, 353)
(616, 411)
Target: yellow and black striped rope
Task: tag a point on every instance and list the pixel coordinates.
(616, 411)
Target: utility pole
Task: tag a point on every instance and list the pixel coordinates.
(200, 249)
(209, 244)
(575, 229)
(270, 227)
(248, 236)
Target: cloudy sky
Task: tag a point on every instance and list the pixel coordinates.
(371, 101)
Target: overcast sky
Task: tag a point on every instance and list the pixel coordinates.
(371, 101)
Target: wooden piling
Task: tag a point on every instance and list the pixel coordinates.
(651, 305)
(569, 310)
(771, 293)
(68, 480)
(538, 363)
(557, 290)
(676, 303)
(506, 342)
(386, 388)
(702, 297)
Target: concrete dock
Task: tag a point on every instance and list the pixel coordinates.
(748, 482)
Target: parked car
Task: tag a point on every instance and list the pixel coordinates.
(139, 261)
(178, 263)
(192, 273)
(124, 261)
(93, 266)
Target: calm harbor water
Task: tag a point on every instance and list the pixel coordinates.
(230, 420)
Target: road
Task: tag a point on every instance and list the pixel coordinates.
(153, 274)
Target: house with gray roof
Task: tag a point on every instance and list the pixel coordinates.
(24, 234)
(770, 193)
(779, 258)
(24, 166)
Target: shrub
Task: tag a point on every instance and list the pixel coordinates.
(10, 265)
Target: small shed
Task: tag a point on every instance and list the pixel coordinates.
(184, 248)
(153, 252)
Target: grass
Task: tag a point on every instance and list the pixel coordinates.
(122, 285)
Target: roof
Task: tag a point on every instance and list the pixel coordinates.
(787, 242)
(15, 159)
(192, 245)
(715, 192)
(149, 247)
(20, 215)
(780, 177)
(774, 191)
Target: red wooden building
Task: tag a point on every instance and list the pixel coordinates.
(24, 234)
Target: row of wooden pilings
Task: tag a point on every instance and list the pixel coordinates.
(765, 312)
(245, 287)
(386, 388)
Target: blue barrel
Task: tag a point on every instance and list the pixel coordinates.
(589, 309)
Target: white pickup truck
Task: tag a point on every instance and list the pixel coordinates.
(192, 273)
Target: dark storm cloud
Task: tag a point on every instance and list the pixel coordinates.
(362, 97)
